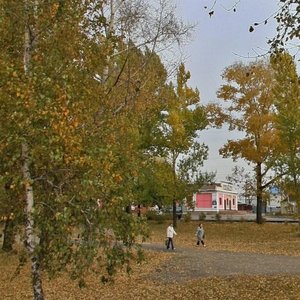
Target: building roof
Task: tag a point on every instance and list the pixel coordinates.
(218, 186)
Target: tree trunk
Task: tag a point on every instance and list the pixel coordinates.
(139, 210)
(30, 236)
(8, 235)
(259, 219)
(128, 209)
(174, 214)
(174, 192)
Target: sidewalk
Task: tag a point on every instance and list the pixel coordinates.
(188, 264)
(249, 217)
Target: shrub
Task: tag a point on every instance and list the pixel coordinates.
(187, 217)
(229, 218)
(153, 216)
(263, 220)
(242, 219)
(202, 216)
(218, 217)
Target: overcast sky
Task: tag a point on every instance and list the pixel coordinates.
(217, 42)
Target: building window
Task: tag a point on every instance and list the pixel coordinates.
(233, 201)
(220, 201)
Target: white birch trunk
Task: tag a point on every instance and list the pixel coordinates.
(29, 229)
(108, 32)
(30, 235)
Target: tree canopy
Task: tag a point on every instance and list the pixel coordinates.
(250, 109)
(81, 87)
(182, 119)
(287, 101)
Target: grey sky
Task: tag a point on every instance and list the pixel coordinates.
(218, 42)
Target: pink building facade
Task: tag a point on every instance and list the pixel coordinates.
(216, 197)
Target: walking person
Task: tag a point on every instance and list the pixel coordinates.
(200, 234)
(170, 235)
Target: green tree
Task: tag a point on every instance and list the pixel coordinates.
(11, 196)
(154, 186)
(287, 101)
(182, 118)
(11, 202)
(77, 101)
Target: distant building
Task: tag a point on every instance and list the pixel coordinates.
(277, 202)
(216, 197)
(273, 204)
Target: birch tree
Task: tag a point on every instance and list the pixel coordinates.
(77, 99)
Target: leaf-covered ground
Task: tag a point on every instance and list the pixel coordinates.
(146, 281)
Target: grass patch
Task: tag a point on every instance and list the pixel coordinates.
(234, 236)
(267, 238)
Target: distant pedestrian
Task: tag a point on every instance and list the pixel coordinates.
(170, 235)
(200, 234)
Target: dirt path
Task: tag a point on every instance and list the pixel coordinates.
(192, 263)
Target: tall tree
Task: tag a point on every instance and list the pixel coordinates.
(181, 120)
(249, 108)
(77, 101)
(287, 101)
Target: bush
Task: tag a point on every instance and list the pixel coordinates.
(202, 216)
(242, 219)
(229, 218)
(218, 217)
(187, 217)
(153, 216)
